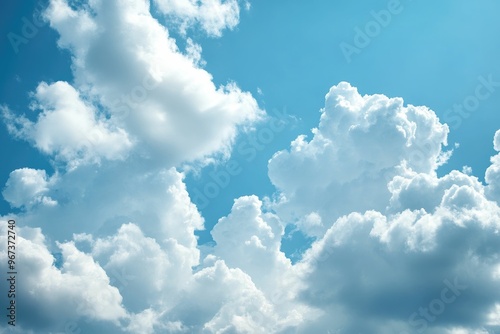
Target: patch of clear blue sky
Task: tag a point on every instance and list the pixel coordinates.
(431, 53)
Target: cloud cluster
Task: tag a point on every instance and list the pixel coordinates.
(48, 296)
(132, 87)
(398, 249)
(391, 270)
(107, 243)
(118, 250)
(361, 143)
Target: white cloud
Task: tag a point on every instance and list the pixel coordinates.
(85, 136)
(49, 296)
(148, 274)
(399, 264)
(360, 144)
(224, 300)
(132, 85)
(27, 187)
(126, 63)
(496, 141)
(250, 239)
(380, 272)
(414, 191)
(492, 176)
(213, 16)
(97, 200)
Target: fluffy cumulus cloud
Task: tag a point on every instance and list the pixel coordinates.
(361, 143)
(99, 199)
(411, 271)
(411, 252)
(225, 300)
(83, 138)
(250, 239)
(53, 296)
(27, 187)
(248, 234)
(132, 86)
(107, 244)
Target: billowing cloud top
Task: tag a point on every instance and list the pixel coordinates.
(361, 143)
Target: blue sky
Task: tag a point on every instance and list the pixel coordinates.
(193, 176)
